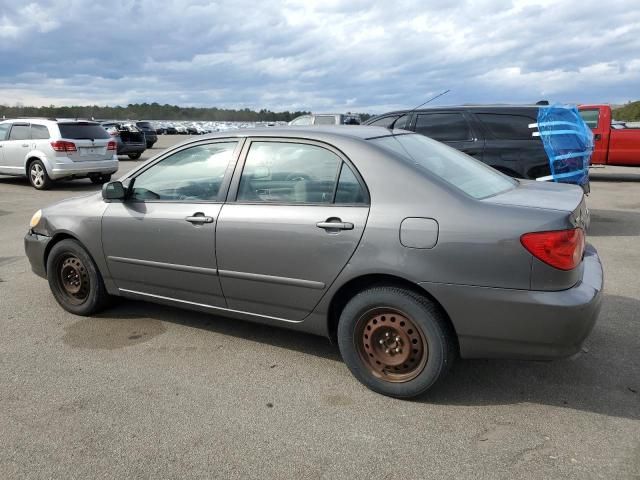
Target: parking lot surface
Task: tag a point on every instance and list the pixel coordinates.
(150, 391)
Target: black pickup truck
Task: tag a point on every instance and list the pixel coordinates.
(499, 135)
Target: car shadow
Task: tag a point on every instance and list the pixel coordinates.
(78, 185)
(603, 379)
(613, 223)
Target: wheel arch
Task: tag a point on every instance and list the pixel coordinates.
(57, 238)
(364, 282)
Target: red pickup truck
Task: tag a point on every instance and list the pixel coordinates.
(613, 144)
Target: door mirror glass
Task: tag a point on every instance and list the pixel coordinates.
(113, 191)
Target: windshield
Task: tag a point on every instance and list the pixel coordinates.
(463, 172)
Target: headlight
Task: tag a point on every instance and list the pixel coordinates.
(35, 219)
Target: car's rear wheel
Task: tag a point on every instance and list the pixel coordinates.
(395, 341)
(38, 176)
(74, 279)
(135, 156)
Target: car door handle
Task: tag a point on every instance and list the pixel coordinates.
(199, 218)
(25, 144)
(335, 225)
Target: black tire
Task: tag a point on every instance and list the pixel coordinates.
(425, 331)
(69, 263)
(100, 179)
(38, 176)
(149, 144)
(135, 156)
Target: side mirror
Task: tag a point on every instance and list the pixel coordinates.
(113, 191)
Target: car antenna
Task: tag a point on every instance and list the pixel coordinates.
(390, 127)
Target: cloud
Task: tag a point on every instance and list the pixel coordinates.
(325, 56)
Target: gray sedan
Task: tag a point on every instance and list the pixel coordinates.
(406, 252)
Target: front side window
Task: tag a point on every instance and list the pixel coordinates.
(444, 127)
(282, 172)
(190, 175)
(457, 169)
(20, 132)
(39, 132)
(507, 127)
(4, 130)
(590, 117)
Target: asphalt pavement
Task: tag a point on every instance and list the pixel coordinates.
(147, 391)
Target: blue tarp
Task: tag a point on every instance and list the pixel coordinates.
(568, 142)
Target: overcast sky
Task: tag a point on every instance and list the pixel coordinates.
(328, 55)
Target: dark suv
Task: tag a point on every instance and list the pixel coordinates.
(499, 136)
(149, 131)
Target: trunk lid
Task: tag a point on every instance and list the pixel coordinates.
(547, 196)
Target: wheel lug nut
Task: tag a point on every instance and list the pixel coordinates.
(387, 334)
(387, 351)
(381, 342)
(398, 350)
(397, 339)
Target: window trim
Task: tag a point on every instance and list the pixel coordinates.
(232, 195)
(224, 186)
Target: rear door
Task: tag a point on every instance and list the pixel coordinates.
(450, 127)
(160, 242)
(295, 215)
(509, 144)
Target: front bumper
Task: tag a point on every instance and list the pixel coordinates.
(35, 247)
(526, 324)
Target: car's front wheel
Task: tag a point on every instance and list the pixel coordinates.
(74, 279)
(395, 341)
(38, 176)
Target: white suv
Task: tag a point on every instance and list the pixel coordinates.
(48, 150)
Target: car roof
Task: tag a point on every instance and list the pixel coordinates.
(361, 132)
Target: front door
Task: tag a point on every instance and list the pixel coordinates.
(160, 242)
(296, 215)
(16, 148)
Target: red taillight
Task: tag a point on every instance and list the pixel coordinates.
(63, 146)
(561, 249)
(112, 145)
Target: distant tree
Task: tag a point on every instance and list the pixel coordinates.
(628, 113)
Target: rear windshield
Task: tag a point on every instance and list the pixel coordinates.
(79, 131)
(144, 125)
(463, 172)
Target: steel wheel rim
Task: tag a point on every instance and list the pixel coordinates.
(37, 175)
(73, 279)
(391, 345)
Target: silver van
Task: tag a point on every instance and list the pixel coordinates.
(45, 150)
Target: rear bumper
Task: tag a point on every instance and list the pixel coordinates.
(34, 246)
(67, 167)
(127, 148)
(526, 324)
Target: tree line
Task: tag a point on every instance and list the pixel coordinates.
(628, 113)
(152, 111)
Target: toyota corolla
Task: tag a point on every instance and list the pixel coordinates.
(406, 252)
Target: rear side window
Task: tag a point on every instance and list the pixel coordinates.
(145, 125)
(507, 127)
(349, 190)
(4, 130)
(82, 131)
(283, 172)
(443, 127)
(39, 132)
(590, 117)
(20, 132)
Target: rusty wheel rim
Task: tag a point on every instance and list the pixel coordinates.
(74, 279)
(391, 345)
